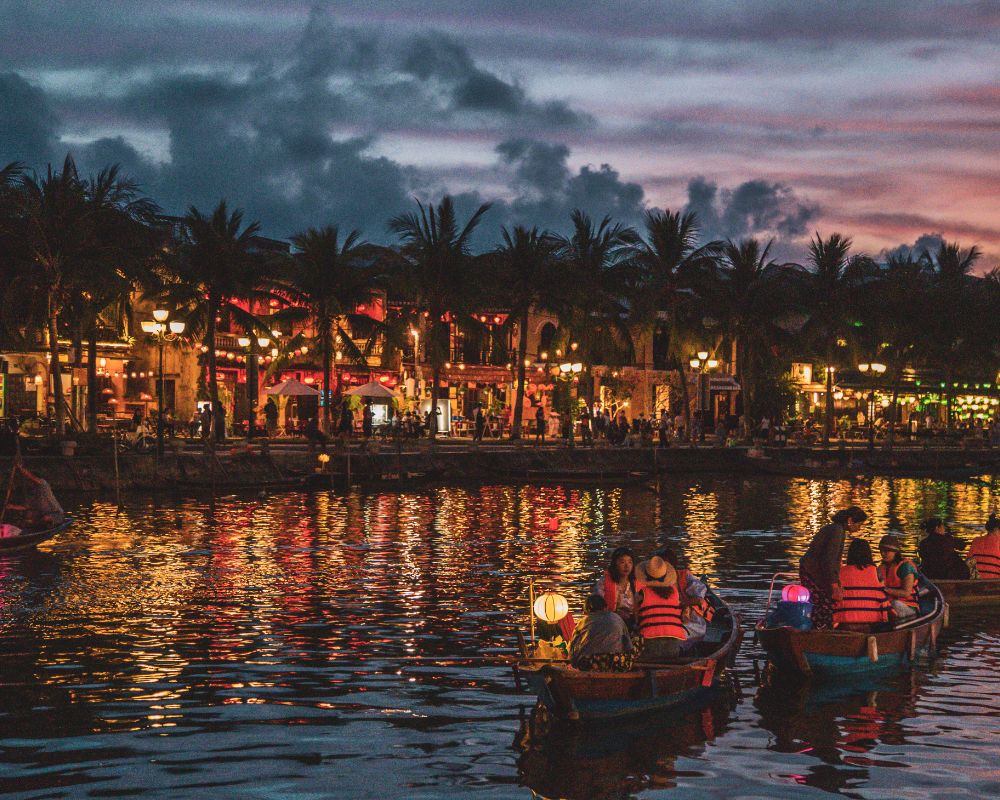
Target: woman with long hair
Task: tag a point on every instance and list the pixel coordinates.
(819, 569)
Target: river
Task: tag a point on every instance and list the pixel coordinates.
(263, 647)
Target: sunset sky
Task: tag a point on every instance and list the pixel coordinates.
(877, 119)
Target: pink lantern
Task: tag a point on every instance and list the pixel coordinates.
(795, 594)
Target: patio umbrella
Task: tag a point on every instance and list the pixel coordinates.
(372, 389)
(291, 388)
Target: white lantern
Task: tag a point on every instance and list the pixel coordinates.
(551, 607)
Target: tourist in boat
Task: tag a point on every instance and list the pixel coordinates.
(900, 577)
(695, 609)
(659, 611)
(984, 552)
(617, 586)
(863, 600)
(601, 641)
(40, 510)
(819, 569)
(939, 557)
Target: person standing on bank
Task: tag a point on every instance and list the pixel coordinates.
(271, 417)
(819, 568)
(539, 425)
(367, 422)
(479, 422)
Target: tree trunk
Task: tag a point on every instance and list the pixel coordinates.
(55, 369)
(828, 416)
(92, 380)
(686, 400)
(891, 433)
(213, 378)
(327, 410)
(522, 351)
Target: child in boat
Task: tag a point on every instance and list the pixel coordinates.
(863, 600)
(658, 603)
(617, 586)
(900, 578)
(601, 641)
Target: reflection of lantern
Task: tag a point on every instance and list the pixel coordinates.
(323, 458)
(552, 523)
(551, 607)
(795, 594)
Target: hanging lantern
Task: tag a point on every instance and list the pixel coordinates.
(795, 594)
(551, 607)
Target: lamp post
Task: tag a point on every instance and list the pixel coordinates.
(872, 371)
(250, 345)
(415, 333)
(162, 332)
(702, 364)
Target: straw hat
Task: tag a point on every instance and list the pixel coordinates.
(890, 542)
(658, 572)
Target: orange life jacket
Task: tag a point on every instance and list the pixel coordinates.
(893, 581)
(986, 550)
(864, 597)
(699, 603)
(660, 617)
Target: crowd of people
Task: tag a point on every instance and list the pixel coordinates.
(858, 592)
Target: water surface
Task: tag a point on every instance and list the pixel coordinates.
(271, 647)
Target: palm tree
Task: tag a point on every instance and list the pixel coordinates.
(215, 268)
(750, 294)
(669, 261)
(827, 293)
(327, 279)
(434, 262)
(527, 278)
(599, 280)
(955, 334)
(54, 227)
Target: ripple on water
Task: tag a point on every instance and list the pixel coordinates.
(260, 648)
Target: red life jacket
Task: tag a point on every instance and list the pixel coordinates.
(986, 549)
(699, 603)
(893, 581)
(864, 597)
(660, 617)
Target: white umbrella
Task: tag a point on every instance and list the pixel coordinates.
(291, 388)
(372, 389)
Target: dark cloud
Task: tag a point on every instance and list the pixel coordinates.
(754, 208)
(27, 123)
(927, 242)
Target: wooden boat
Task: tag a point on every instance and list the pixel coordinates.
(29, 539)
(573, 695)
(836, 653)
(795, 469)
(970, 593)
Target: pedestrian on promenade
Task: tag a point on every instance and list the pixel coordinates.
(314, 435)
(539, 425)
(219, 422)
(206, 421)
(271, 416)
(478, 422)
(367, 421)
(346, 425)
(585, 433)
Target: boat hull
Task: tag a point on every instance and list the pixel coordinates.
(27, 541)
(845, 654)
(970, 593)
(574, 695)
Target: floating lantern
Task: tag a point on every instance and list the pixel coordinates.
(795, 593)
(550, 607)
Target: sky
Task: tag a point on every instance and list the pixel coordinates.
(776, 118)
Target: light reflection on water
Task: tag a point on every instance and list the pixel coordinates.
(258, 648)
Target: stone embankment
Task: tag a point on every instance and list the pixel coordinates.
(235, 467)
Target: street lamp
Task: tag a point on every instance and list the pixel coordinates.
(872, 371)
(416, 366)
(162, 332)
(570, 370)
(702, 364)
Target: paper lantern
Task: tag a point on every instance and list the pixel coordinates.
(795, 594)
(551, 607)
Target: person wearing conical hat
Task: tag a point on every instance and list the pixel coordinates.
(659, 610)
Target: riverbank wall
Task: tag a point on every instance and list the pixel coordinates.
(231, 468)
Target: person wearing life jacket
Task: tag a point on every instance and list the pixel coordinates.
(819, 568)
(863, 599)
(984, 552)
(900, 578)
(617, 585)
(659, 611)
(696, 611)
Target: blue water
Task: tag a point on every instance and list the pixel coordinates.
(262, 648)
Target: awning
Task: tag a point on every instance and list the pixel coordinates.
(372, 389)
(291, 388)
